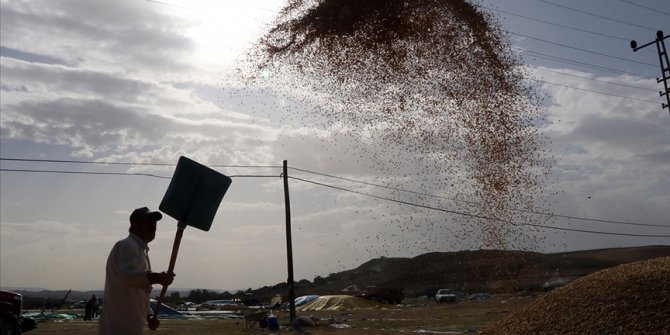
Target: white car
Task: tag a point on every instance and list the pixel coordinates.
(445, 295)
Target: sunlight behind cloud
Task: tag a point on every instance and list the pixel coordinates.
(222, 30)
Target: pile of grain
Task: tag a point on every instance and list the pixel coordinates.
(631, 298)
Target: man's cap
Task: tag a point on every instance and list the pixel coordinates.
(142, 213)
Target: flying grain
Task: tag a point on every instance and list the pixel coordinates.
(433, 93)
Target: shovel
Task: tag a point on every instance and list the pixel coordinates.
(192, 198)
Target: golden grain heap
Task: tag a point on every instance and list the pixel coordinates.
(630, 298)
(434, 92)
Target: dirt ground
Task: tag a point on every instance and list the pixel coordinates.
(414, 315)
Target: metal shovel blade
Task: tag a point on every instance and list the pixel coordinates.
(194, 194)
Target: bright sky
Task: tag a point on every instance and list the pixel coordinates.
(148, 81)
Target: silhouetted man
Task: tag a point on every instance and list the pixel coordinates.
(129, 278)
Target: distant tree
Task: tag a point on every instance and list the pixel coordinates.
(318, 280)
(200, 295)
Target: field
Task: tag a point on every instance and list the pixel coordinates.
(605, 298)
(414, 315)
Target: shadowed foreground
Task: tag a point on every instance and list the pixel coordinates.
(415, 315)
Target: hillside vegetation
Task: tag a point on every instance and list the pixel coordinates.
(494, 271)
(473, 271)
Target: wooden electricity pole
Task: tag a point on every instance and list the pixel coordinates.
(289, 247)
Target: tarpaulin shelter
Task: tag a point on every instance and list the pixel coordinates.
(338, 302)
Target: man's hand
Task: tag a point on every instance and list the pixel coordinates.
(153, 322)
(162, 278)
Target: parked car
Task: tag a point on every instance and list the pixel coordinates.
(445, 295)
(11, 321)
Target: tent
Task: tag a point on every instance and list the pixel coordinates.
(305, 299)
(166, 311)
(337, 302)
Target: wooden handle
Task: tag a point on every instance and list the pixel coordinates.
(173, 260)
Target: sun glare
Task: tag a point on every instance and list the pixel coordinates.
(222, 30)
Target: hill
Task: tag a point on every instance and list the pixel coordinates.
(469, 271)
(472, 271)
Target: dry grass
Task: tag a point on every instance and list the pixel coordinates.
(414, 315)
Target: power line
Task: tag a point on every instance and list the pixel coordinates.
(585, 50)
(597, 92)
(123, 173)
(475, 215)
(534, 19)
(86, 173)
(402, 202)
(477, 203)
(648, 8)
(128, 163)
(560, 25)
(574, 62)
(593, 79)
(582, 64)
(275, 176)
(596, 15)
(351, 191)
(84, 162)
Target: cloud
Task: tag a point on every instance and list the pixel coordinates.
(94, 33)
(611, 152)
(29, 57)
(67, 81)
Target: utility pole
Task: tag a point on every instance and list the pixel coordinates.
(665, 63)
(289, 247)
